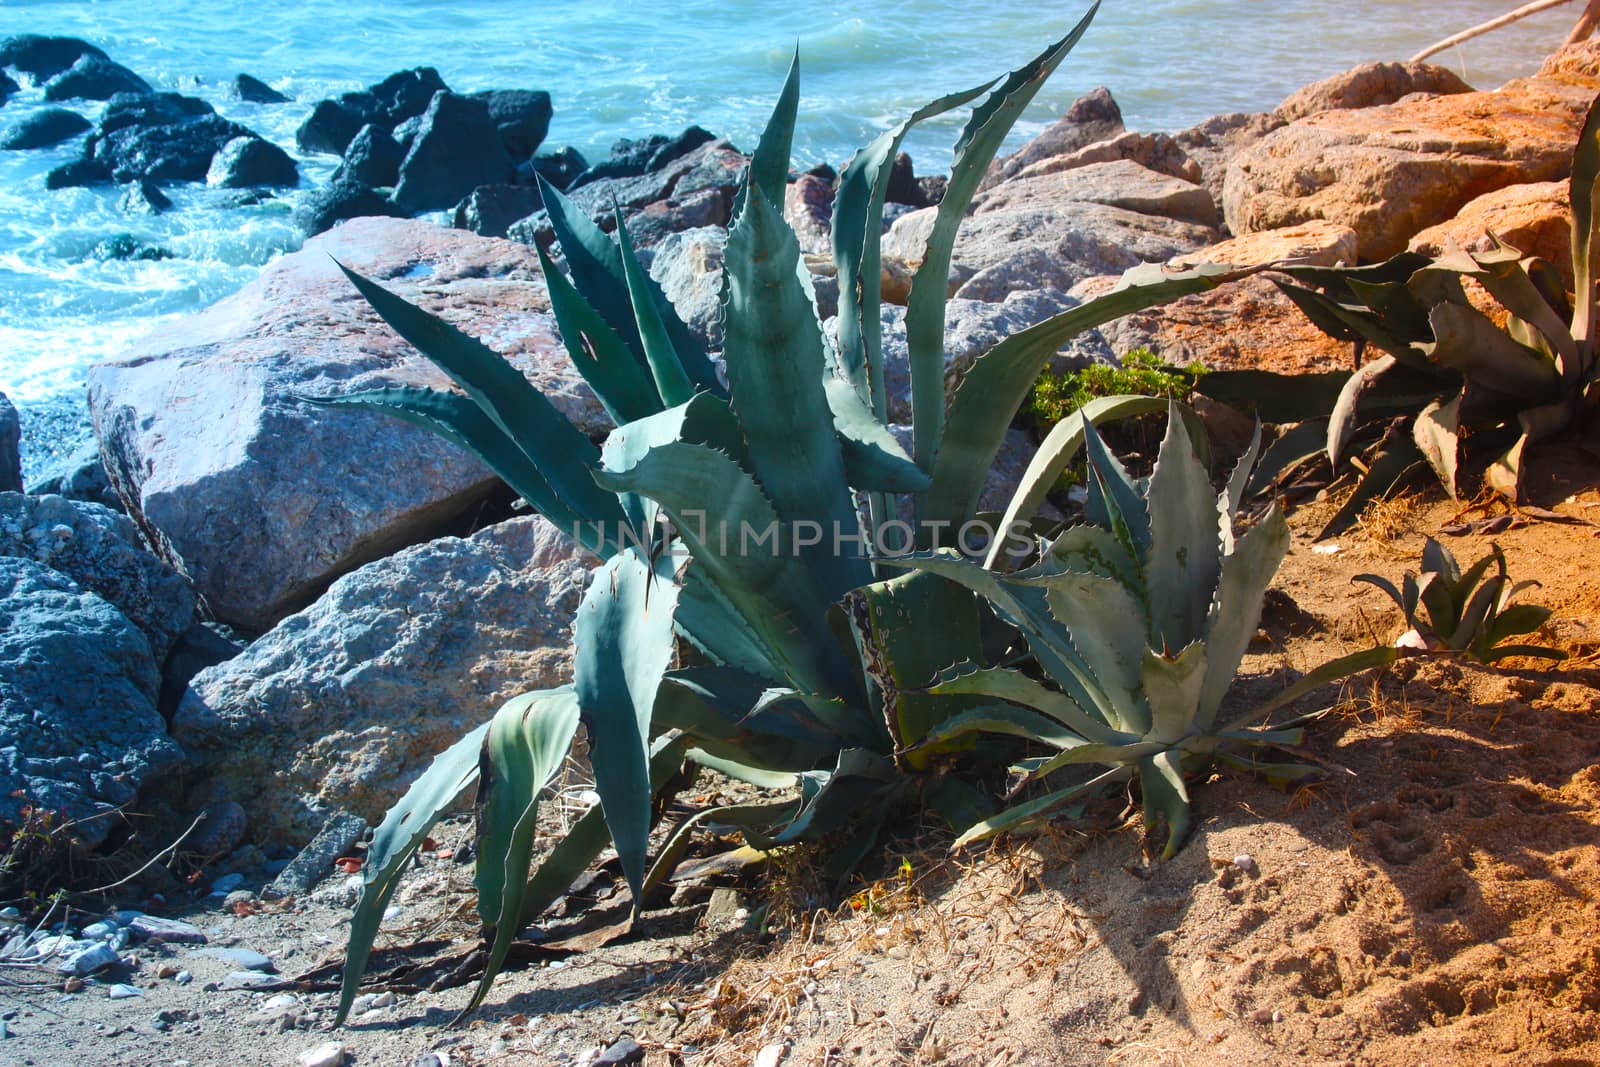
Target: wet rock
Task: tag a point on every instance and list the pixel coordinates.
(94, 78)
(174, 151)
(226, 469)
(256, 91)
(456, 150)
(45, 127)
(41, 57)
(333, 708)
(246, 162)
(372, 159)
(522, 117)
(711, 165)
(328, 205)
(126, 247)
(169, 931)
(1093, 117)
(330, 127)
(406, 94)
(79, 172)
(8, 87)
(315, 862)
(633, 158)
(143, 198)
(1370, 85)
(489, 210)
(560, 168)
(10, 442)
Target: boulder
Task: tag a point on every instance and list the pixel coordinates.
(1390, 172)
(688, 265)
(143, 198)
(406, 94)
(41, 57)
(341, 706)
(78, 172)
(1534, 219)
(150, 109)
(1370, 85)
(1118, 183)
(456, 150)
(342, 199)
(45, 127)
(10, 447)
(632, 158)
(1316, 243)
(1213, 144)
(808, 209)
(249, 162)
(94, 78)
(521, 115)
(654, 223)
(174, 151)
(372, 158)
(1093, 117)
(714, 167)
(333, 124)
(80, 741)
(256, 91)
(489, 210)
(560, 168)
(903, 187)
(267, 499)
(1158, 152)
(100, 551)
(77, 474)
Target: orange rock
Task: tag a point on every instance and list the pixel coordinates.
(1317, 243)
(1535, 219)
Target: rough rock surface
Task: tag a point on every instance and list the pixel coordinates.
(457, 149)
(1316, 243)
(1159, 152)
(1093, 117)
(246, 162)
(1214, 142)
(1116, 183)
(1370, 85)
(328, 205)
(10, 447)
(266, 499)
(342, 705)
(80, 741)
(688, 265)
(1535, 219)
(373, 158)
(490, 210)
(168, 151)
(808, 209)
(99, 550)
(256, 91)
(1390, 172)
(522, 116)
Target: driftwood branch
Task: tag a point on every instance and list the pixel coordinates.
(1586, 25)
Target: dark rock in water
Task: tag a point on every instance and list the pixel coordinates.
(80, 741)
(151, 109)
(457, 150)
(315, 862)
(521, 115)
(7, 87)
(406, 132)
(78, 172)
(77, 474)
(715, 166)
(144, 198)
(903, 187)
(559, 168)
(10, 447)
(245, 162)
(44, 128)
(42, 57)
(631, 158)
(176, 151)
(94, 78)
(256, 91)
(99, 550)
(406, 94)
(340, 200)
(202, 645)
(373, 158)
(125, 246)
(329, 128)
(489, 210)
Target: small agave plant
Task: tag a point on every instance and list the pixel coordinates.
(1139, 619)
(1448, 611)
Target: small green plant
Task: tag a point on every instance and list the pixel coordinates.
(1139, 620)
(1142, 373)
(1472, 612)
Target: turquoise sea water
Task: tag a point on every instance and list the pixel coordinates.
(622, 69)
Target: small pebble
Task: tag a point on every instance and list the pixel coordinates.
(329, 1054)
(771, 1056)
(121, 991)
(227, 884)
(167, 970)
(1245, 863)
(152, 928)
(238, 897)
(100, 931)
(623, 1053)
(183, 978)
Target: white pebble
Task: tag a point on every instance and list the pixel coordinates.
(1245, 862)
(330, 1054)
(122, 992)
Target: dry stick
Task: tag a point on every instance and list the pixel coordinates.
(1494, 24)
(1586, 24)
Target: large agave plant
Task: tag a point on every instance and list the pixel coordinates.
(1138, 619)
(812, 657)
(1442, 362)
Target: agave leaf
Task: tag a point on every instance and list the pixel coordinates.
(562, 454)
(1088, 549)
(1395, 305)
(1581, 193)
(1114, 501)
(1274, 397)
(1236, 610)
(1033, 813)
(719, 709)
(1346, 411)
(759, 777)
(677, 845)
(997, 383)
(1172, 688)
(769, 165)
(873, 459)
(1016, 687)
(1504, 475)
(1185, 554)
(665, 368)
(1293, 447)
(1475, 614)
(1501, 272)
(402, 832)
(1517, 619)
(1332, 671)
(1396, 462)
(1127, 753)
(622, 648)
(981, 138)
(1536, 651)
(857, 229)
(1000, 719)
(1233, 493)
(1462, 583)
(703, 420)
(600, 355)
(1161, 783)
(527, 742)
(773, 347)
(1108, 626)
(1056, 452)
(831, 799)
(1436, 432)
(1357, 324)
(1384, 584)
(1467, 340)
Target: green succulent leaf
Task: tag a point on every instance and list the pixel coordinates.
(873, 459)
(1185, 554)
(1467, 340)
(1436, 433)
(1236, 610)
(601, 356)
(1582, 192)
(1172, 688)
(672, 384)
(1017, 688)
(1161, 783)
(1037, 811)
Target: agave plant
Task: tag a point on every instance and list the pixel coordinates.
(765, 564)
(1446, 610)
(1138, 619)
(1443, 362)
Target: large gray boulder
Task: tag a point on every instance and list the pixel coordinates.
(79, 730)
(10, 447)
(264, 498)
(99, 550)
(341, 706)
